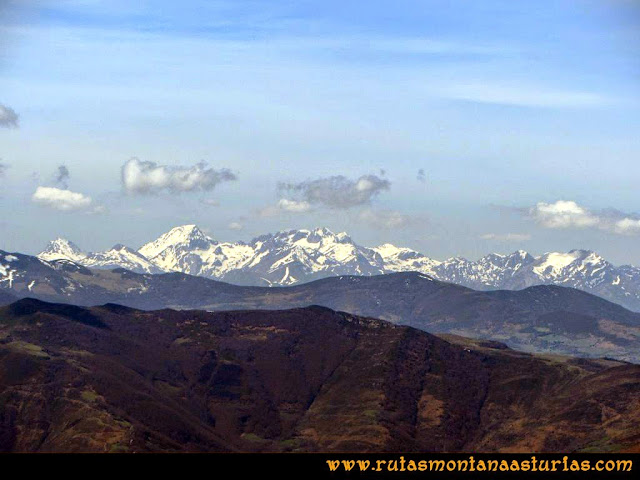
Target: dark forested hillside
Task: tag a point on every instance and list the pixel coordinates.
(112, 378)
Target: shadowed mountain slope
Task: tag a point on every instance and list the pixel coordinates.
(308, 379)
(543, 318)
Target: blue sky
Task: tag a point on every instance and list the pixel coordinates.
(508, 108)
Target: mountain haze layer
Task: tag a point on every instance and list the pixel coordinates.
(298, 256)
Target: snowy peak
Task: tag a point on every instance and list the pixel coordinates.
(402, 259)
(62, 249)
(185, 236)
(302, 237)
(522, 255)
(120, 250)
(187, 249)
(292, 256)
(588, 257)
(119, 256)
(554, 263)
(578, 268)
(518, 260)
(514, 260)
(388, 250)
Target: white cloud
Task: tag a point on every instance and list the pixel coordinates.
(236, 226)
(145, 177)
(565, 214)
(506, 237)
(63, 200)
(627, 226)
(285, 205)
(294, 206)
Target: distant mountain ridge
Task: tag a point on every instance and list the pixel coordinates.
(543, 318)
(119, 256)
(297, 256)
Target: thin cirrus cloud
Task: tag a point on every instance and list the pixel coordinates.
(337, 192)
(525, 96)
(8, 117)
(61, 199)
(386, 219)
(145, 177)
(506, 237)
(567, 214)
(211, 202)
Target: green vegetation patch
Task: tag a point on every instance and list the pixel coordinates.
(89, 396)
(76, 352)
(252, 437)
(290, 443)
(28, 348)
(603, 445)
(118, 448)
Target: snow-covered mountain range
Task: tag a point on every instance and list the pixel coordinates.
(118, 256)
(294, 256)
